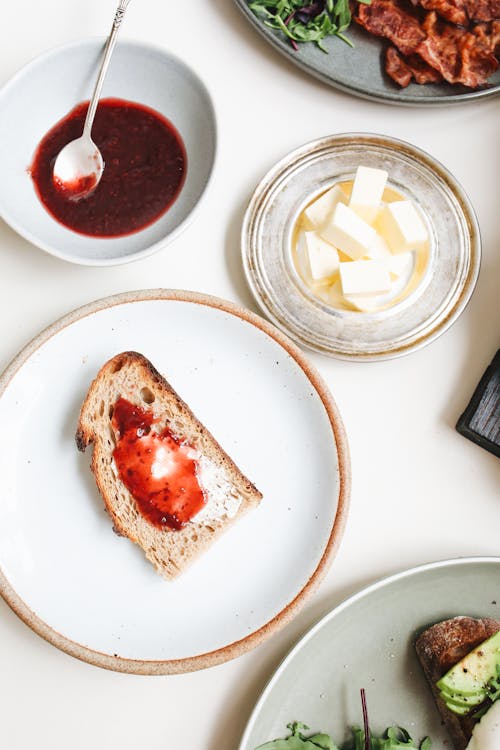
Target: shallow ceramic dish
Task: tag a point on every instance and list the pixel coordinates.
(360, 70)
(367, 641)
(93, 594)
(444, 285)
(138, 72)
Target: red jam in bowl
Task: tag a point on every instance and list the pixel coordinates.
(145, 167)
(157, 468)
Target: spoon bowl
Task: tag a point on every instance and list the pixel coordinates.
(78, 168)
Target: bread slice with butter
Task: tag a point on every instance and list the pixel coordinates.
(443, 650)
(226, 493)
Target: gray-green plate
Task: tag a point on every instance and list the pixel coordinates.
(359, 71)
(367, 641)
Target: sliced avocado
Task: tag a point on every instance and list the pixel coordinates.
(471, 674)
(460, 710)
(463, 701)
(450, 690)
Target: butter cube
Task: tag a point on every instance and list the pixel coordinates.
(380, 250)
(402, 227)
(349, 233)
(319, 211)
(332, 295)
(323, 258)
(367, 190)
(398, 265)
(362, 302)
(401, 264)
(365, 277)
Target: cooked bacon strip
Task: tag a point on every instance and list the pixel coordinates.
(462, 12)
(388, 19)
(455, 53)
(403, 70)
(431, 48)
(477, 65)
(488, 36)
(453, 11)
(440, 48)
(422, 72)
(396, 68)
(483, 10)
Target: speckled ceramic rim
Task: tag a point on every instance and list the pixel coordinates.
(232, 650)
(259, 204)
(153, 248)
(396, 97)
(380, 584)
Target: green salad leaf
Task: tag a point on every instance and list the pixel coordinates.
(394, 738)
(298, 741)
(306, 20)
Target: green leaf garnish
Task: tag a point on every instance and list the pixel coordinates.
(394, 738)
(306, 20)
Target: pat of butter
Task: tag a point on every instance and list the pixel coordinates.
(367, 191)
(402, 227)
(320, 210)
(323, 258)
(398, 265)
(401, 264)
(349, 233)
(380, 250)
(332, 295)
(362, 302)
(365, 277)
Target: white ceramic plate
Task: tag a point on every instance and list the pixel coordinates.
(367, 641)
(138, 72)
(92, 593)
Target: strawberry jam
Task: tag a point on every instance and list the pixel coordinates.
(158, 469)
(144, 169)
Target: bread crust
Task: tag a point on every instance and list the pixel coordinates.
(438, 649)
(134, 377)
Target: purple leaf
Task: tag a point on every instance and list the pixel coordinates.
(310, 11)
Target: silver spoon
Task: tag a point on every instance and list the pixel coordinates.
(79, 165)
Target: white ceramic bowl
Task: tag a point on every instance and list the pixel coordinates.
(48, 88)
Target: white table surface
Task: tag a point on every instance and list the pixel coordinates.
(420, 491)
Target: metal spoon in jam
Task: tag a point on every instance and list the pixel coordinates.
(79, 165)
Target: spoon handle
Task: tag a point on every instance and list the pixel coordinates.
(108, 51)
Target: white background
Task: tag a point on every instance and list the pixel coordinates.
(420, 491)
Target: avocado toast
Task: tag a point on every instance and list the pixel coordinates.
(461, 660)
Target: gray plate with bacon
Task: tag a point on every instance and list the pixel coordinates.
(410, 52)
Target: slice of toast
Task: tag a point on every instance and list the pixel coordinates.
(439, 648)
(228, 493)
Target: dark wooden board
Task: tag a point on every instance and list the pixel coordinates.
(480, 422)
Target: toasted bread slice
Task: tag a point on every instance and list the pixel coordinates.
(228, 493)
(439, 648)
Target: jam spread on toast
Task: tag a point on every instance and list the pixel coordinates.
(145, 166)
(158, 468)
